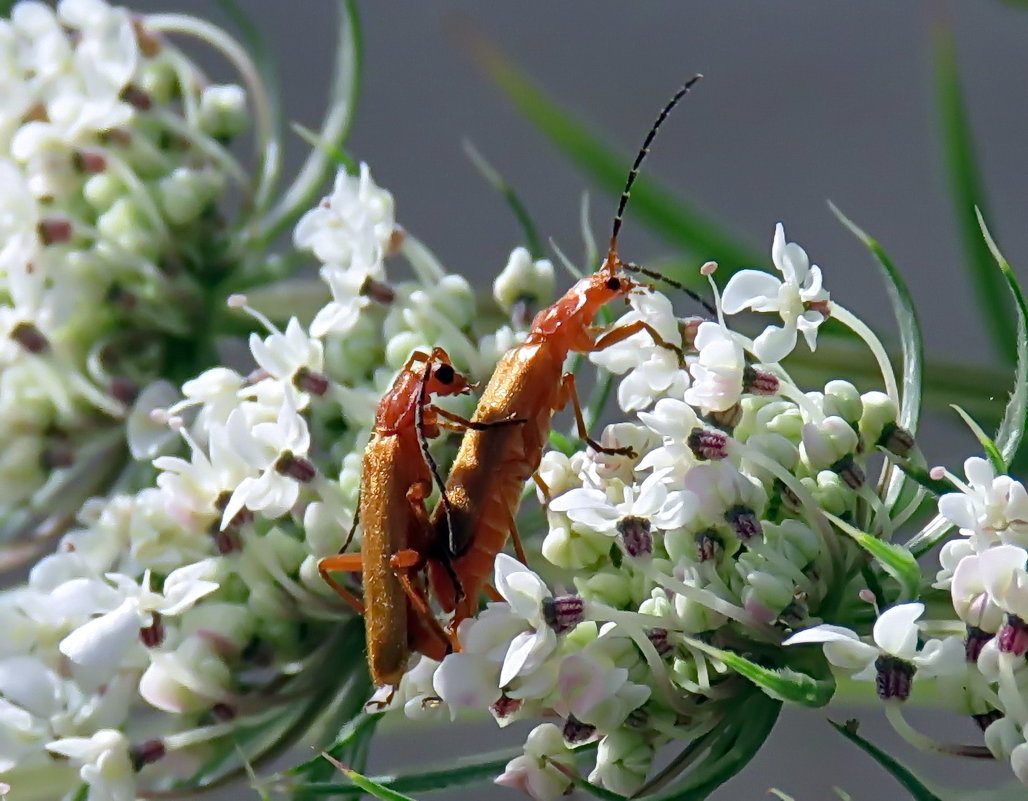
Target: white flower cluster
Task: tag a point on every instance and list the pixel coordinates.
(710, 537)
(113, 168)
(186, 596)
(986, 573)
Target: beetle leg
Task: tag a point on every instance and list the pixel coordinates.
(623, 332)
(353, 528)
(519, 549)
(568, 386)
(462, 423)
(342, 563)
(404, 563)
(544, 488)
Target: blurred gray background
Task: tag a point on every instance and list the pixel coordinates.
(803, 101)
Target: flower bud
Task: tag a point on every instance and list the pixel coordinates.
(841, 399)
(125, 224)
(831, 492)
(622, 761)
(826, 443)
(223, 112)
(102, 190)
(184, 194)
(523, 281)
(573, 547)
(879, 411)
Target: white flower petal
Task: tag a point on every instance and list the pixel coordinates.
(895, 631)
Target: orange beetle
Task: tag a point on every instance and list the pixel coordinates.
(482, 494)
(396, 478)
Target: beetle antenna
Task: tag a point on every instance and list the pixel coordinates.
(612, 253)
(692, 293)
(419, 424)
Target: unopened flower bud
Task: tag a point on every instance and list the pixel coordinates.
(831, 492)
(622, 761)
(102, 190)
(841, 399)
(825, 443)
(879, 410)
(523, 281)
(185, 194)
(223, 112)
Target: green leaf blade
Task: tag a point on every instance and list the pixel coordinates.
(1015, 416)
(898, 771)
(968, 196)
(655, 207)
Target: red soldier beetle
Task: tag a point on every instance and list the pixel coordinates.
(396, 478)
(477, 510)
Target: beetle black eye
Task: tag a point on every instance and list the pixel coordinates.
(613, 284)
(444, 374)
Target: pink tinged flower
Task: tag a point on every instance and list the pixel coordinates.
(950, 557)
(533, 773)
(800, 299)
(972, 601)
(28, 683)
(467, 680)
(527, 595)
(106, 764)
(1002, 571)
(650, 371)
(596, 691)
(656, 377)
(718, 372)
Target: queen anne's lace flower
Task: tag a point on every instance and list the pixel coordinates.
(800, 299)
